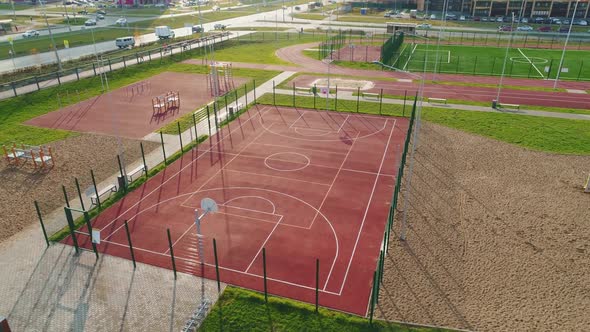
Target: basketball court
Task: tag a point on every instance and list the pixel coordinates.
(303, 184)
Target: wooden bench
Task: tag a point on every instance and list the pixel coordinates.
(370, 95)
(303, 90)
(437, 101)
(133, 172)
(108, 189)
(516, 106)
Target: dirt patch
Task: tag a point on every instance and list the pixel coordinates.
(74, 157)
(128, 112)
(498, 238)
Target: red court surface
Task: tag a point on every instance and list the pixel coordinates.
(122, 112)
(303, 184)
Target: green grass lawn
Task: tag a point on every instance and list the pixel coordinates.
(243, 310)
(521, 62)
(262, 48)
(73, 21)
(8, 6)
(536, 133)
(310, 16)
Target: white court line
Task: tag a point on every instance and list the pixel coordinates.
(324, 200)
(276, 176)
(296, 148)
(343, 123)
(367, 209)
(221, 267)
(172, 177)
(529, 60)
(410, 57)
(213, 176)
(263, 244)
(294, 122)
(274, 208)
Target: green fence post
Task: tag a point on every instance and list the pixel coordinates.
(65, 195)
(71, 226)
(87, 220)
(373, 298)
(163, 149)
(145, 166)
(404, 109)
(171, 251)
(254, 83)
(358, 98)
(246, 93)
(293, 94)
(264, 272)
(42, 224)
(226, 105)
(121, 171)
(380, 101)
(474, 65)
(580, 71)
(381, 262)
(216, 265)
(79, 192)
(209, 120)
(124, 63)
(95, 188)
(180, 137)
(130, 244)
(195, 126)
(273, 94)
(315, 89)
(335, 99)
(317, 283)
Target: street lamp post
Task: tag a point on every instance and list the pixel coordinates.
(52, 40)
(567, 38)
(208, 206)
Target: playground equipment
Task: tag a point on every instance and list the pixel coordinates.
(169, 101)
(138, 88)
(220, 79)
(41, 156)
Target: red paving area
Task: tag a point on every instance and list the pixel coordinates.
(303, 184)
(129, 115)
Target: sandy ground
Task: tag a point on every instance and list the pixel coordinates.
(498, 238)
(74, 157)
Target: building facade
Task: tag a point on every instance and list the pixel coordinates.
(492, 8)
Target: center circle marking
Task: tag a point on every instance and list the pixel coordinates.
(269, 159)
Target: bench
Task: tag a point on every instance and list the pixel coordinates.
(303, 90)
(133, 172)
(108, 189)
(516, 106)
(437, 101)
(370, 95)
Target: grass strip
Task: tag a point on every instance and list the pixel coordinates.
(95, 211)
(243, 310)
(555, 135)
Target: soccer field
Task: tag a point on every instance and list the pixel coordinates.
(520, 62)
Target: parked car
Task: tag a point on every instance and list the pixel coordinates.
(122, 21)
(30, 33)
(579, 21)
(125, 42)
(83, 12)
(387, 15)
(499, 19)
(197, 29)
(424, 26)
(164, 32)
(564, 29)
(102, 12)
(524, 20)
(524, 28)
(297, 8)
(485, 19)
(219, 26)
(477, 18)
(100, 16)
(90, 22)
(544, 29)
(539, 19)
(504, 28)
(433, 17)
(462, 18)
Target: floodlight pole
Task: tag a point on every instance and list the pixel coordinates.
(505, 59)
(567, 38)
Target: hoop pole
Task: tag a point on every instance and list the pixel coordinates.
(95, 188)
(216, 265)
(264, 271)
(171, 251)
(79, 192)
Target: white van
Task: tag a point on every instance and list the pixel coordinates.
(124, 42)
(164, 32)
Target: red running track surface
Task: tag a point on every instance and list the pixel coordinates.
(303, 184)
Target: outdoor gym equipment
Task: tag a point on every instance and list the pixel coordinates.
(41, 156)
(220, 79)
(169, 101)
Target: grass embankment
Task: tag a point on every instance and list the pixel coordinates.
(243, 310)
(537, 133)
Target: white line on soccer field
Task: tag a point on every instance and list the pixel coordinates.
(529, 60)
(410, 56)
